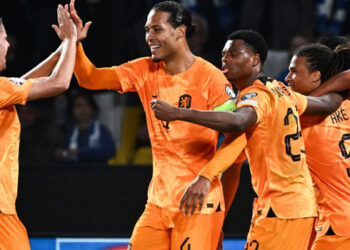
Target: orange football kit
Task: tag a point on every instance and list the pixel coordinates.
(283, 213)
(180, 149)
(13, 234)
(327, 144)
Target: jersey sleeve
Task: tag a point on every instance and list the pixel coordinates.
(90, 77)
(256, 98)
(300, 101)
(133, 75)
(14, 91)
(224, 157)
(220, 92)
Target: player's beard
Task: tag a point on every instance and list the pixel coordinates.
(156, 60)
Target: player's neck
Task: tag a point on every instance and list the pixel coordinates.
(246, 82)
(179, 62)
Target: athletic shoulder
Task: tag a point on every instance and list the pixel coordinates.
(206, 65)
(140, 65)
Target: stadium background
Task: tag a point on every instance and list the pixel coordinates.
(83, 200)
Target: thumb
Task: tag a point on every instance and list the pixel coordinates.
(87, 26)
(55, 27)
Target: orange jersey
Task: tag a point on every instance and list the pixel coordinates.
(275, 150)
(181, 149)
(328, 156)
(12, 91)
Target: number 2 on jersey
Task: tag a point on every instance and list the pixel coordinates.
(289, 137)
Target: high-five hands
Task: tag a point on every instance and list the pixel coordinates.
(82, 29)
(66, 27)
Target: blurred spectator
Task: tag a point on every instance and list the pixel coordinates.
(221, 17)
(111, 112)
(296, 42)
(135, 146)
(279, 21)
(39, 138)
(86, 140)
(198, 42)
(331, 16)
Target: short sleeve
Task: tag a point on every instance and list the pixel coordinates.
(14, 91)
(256, 98)
(220, 91)
(300, 101)
(133, 74)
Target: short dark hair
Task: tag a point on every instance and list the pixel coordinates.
(324, 59)
(333, 42)
(318, 57)
(253, 39)
(179, 15)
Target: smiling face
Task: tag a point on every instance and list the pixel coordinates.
(4, 45)
(161, 37)
(299, 78)
(238, 61)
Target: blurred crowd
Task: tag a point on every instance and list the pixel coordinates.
(82, 127)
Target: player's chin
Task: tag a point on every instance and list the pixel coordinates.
(229, 77)
(156, 59)
(293, 87)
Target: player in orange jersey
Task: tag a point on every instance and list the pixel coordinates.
(31, 86)
(180, 149)
(327, 145)
(268, 113)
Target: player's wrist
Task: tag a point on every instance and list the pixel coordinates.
(180, 113)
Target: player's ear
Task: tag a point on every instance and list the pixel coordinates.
(180, 31)
(256, 59)
(316, 76)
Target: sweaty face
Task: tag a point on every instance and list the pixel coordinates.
(4, 44)
(299, 78)
(237, 60)
(160, 35)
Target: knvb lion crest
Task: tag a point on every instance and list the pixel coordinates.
(185, 101)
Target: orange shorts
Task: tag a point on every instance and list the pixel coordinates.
(327, 239)
(273, 233)
(161, 229)
(13, 235)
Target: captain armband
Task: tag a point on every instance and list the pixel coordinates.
(228, 106)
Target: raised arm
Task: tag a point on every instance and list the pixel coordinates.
(45, 67)
(61, 75)
(229, 122)
(87, 74)
(90, 77)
